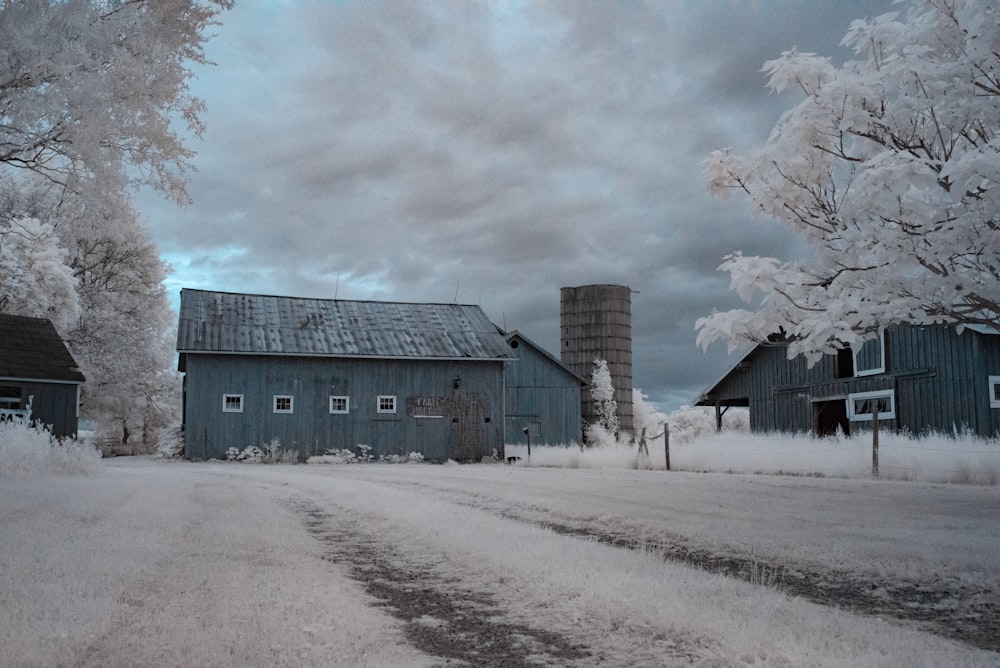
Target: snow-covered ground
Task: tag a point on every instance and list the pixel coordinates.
(150, 562)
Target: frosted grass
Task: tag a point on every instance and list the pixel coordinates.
(932, 458)
(636, 608)
(27, 450)
(154, 563)
(875, 529)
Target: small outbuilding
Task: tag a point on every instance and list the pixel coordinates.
(39, 379)
(328, 374)
(543, 396)
(918, 379)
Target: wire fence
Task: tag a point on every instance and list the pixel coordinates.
(942, 459)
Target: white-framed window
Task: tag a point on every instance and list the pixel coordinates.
(283, 403)
(232, 403)
(994, 391)
(861, 404)
(870, 358)
(10, 397)
(340, 404)
(386, 403)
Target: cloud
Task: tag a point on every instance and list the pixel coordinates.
(489, 152)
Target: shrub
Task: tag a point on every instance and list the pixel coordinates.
(30, 450)
(170, 443)
(270, 453)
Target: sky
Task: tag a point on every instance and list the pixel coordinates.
(491, 153)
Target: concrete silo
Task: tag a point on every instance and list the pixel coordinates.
(596, 322)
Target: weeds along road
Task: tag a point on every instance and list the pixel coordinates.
(168, 563)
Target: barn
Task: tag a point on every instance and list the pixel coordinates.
(542, 396)
(325, 374)
(39, 380)
(918, 379)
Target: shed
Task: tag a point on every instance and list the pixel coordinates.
(542, 396)
(918, 378)
(39, 380)
(328, 374)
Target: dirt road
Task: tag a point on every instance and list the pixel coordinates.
(160, 564)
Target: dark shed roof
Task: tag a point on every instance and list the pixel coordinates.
(227, 322)
(30, 348)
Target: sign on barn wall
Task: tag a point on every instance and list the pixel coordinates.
(429, 406)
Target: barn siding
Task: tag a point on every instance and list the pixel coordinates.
(940, 381)
(988, 361)
(432, 417)
(541, 395)
(53, 404)
(942, 386)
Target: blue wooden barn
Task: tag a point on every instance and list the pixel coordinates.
(918, 379)
(39, 380)
(543, 396)
(323, 374)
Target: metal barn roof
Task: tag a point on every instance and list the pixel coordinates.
(227, 322)
(32, 349)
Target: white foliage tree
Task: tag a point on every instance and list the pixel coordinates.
(91, 92)
(89, 88)
(889, 167)
(644, 414)
(98, 277)
(603, 393)
(125, 339)
(35, 279)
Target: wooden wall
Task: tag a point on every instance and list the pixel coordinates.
(432, 416)
(542, 396)
(53, 404)
(940, 381)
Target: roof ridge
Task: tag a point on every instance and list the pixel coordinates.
(325, 299)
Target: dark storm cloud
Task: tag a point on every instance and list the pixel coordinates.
(493, 153)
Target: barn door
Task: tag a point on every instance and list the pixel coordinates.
(469, 428)
(829, 415)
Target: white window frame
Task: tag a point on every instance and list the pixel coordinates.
(389, 399)
(9, 401)
(876, 394)
(881, 356)
(225, 403)
(291, 403)
(994, 382)
(340, 411)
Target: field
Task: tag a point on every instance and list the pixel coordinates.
(144, 561)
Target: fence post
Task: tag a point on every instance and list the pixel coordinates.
(666, 443)
(875, 440)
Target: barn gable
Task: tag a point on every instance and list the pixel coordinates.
(918, 379)
(542, 395)
(338, 374)
(38, 375)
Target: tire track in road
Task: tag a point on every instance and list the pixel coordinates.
(951, 610)
(440, 617)
(946, 608)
